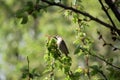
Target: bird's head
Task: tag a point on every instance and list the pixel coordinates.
(58, 38)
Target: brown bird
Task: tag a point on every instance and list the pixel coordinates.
(61, 45)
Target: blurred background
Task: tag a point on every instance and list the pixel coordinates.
(17, 41)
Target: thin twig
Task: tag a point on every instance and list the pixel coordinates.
(106, 43)
(104, 61)
(87, 64)
(28, 68)
(101, 72)
(83, 13)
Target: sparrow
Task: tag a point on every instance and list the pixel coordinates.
(61, 45)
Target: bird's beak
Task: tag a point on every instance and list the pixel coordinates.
(55, 37)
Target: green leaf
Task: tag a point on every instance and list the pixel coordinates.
(66, 69)
(20, 13)
(110, 60)
(67, 13)
(30, 4)
(77, 50)
(95, 69)
(78, 72)
(24, 75)
(24, 19)
(29, 7)
(94, 72)
(31, 75)
(34, 14)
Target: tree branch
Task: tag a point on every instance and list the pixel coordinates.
(83, 13)
(100, 58)
(115, 10)
(104, 61)
(107, 13)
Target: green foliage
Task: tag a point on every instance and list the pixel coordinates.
(56, 60)
(30, 9)
(92, 56)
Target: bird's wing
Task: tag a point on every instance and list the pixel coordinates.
(64, 48)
